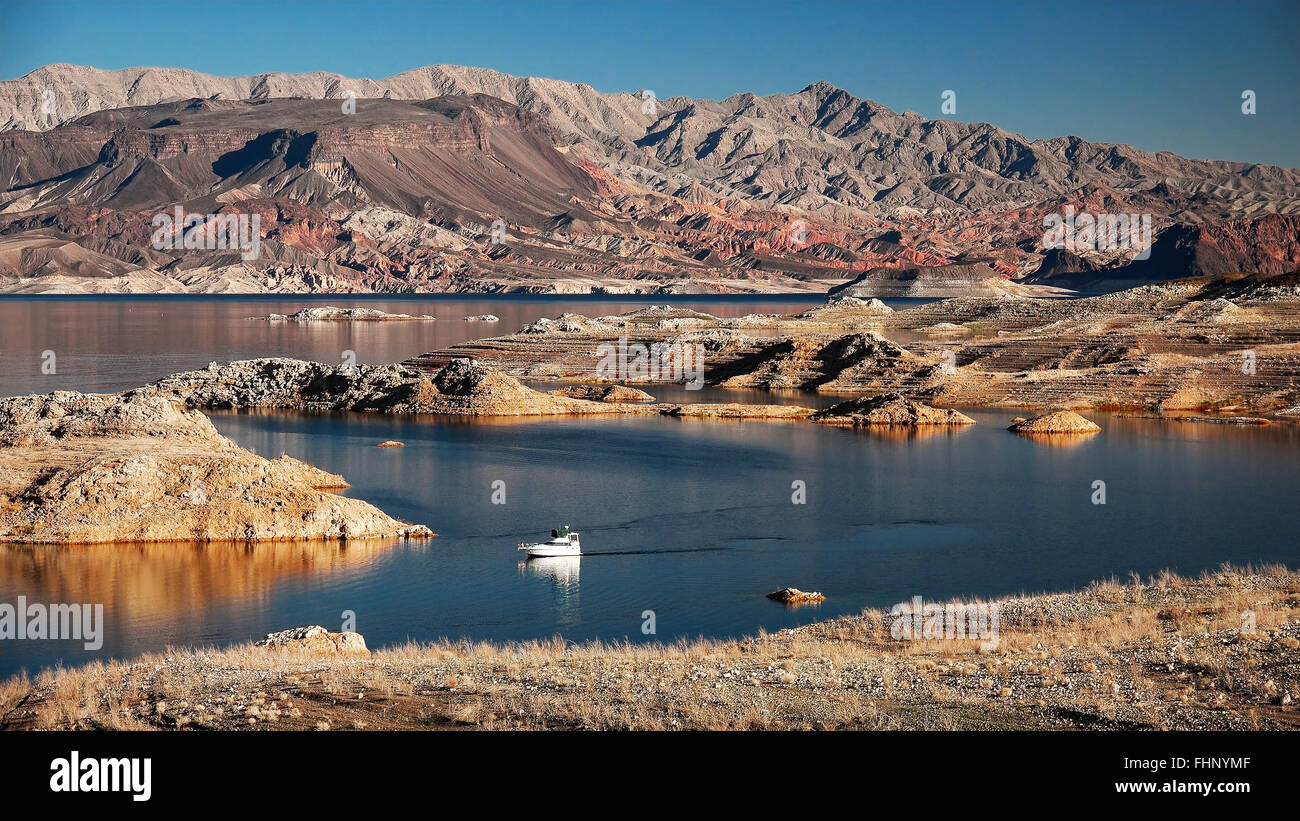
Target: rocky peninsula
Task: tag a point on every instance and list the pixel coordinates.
(462, 387)
(139, 467)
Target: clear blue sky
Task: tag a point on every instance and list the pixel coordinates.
(1160, 75)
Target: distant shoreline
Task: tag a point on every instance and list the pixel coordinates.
(810, 298)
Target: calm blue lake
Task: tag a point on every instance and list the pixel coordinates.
(692, 520)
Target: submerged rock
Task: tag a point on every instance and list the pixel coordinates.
(734, 410)
(793, 595)
(1055, 422)
(1223, 420)
(889, 409)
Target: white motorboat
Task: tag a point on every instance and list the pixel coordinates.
(563, 542)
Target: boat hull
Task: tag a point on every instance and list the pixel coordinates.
(545, 551)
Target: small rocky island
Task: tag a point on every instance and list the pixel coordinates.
(1057, 422)
(328, 313)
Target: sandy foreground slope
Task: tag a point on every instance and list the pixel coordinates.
(1217, 652)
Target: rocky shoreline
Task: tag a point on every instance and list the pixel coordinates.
(128, 467)
(1219, 652)
(462, 387)
(145, 465)
(1229, 346)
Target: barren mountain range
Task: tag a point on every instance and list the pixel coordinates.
(461, 179)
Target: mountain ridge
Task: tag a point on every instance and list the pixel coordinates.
(703, 184)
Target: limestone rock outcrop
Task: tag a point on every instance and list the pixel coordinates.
(140, 467)
(1057, 422)
(317, 641)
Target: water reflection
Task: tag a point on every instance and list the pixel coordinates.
(163, 581)
(563, 573)
(903, 433)
(1057, 440)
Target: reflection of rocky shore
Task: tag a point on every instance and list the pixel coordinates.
(162, 581)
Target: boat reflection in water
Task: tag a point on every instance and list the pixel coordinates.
(562, 572)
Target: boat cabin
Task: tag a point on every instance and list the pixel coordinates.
(563, 535)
